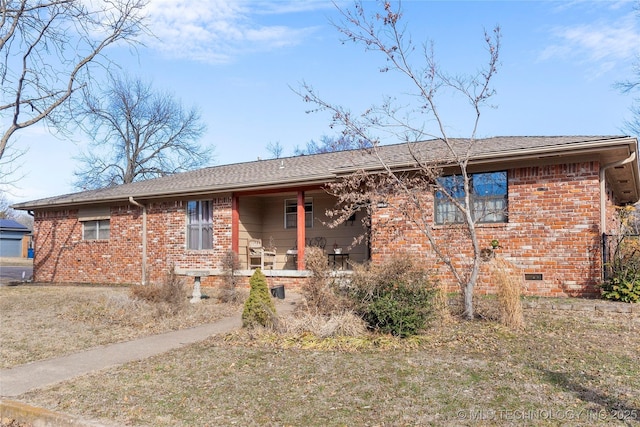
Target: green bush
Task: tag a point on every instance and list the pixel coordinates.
(395, 297)
(623, 286)
(259, 309)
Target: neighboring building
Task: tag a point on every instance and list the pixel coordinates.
(557, 196)
(13, 236)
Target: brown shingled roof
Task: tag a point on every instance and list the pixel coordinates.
(320, 168)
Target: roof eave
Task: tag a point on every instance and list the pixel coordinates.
(196, 192)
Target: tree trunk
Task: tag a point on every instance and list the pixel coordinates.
(468, 301)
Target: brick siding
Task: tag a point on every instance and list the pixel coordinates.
(553, 230)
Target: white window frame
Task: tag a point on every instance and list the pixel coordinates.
(198, 225)
(96, 229)
(291, 213)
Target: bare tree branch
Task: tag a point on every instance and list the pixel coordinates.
(56, 42)
(137, 134)
(411, 190)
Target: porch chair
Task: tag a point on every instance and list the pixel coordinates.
(258, 256)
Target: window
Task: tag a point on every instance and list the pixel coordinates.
(95, 222)
(488, 198)
(96, 229)
(291, 213)
(200, 224)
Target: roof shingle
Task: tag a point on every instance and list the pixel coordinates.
(323, 167)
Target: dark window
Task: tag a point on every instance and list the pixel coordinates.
(488, 198)
(291, 213)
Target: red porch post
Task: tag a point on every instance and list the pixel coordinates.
(235, 224)
(301, 230)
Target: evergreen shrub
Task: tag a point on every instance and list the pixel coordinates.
(259, 309)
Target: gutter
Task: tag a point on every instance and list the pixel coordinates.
(603, 199)
(144, 238)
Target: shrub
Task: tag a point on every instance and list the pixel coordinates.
(509, 283)
(259, 309)
(394, 297)
(336, 325)
(229, 290)
(319, 290)
(623, 286)
(170, 293)
(624, 281)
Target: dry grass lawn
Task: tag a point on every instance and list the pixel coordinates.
(41, 322)
(564, 368)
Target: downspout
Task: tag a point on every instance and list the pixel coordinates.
(144, 238)
(603, 199)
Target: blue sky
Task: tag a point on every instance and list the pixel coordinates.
(237, 62)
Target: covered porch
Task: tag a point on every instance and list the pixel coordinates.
(283, 223)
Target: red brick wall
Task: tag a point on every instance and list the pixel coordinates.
(62, 256)
(553, 230)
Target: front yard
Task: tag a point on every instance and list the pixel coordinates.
(566, 368)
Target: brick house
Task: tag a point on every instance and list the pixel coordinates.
(557, 197)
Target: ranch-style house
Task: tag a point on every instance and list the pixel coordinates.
(556, 198)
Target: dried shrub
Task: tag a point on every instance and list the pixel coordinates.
(346, 324)
(509, 283)
(320, 290)
(169, 296)
(440, 305)
(259, 309)
(394, 297)
(229, 292)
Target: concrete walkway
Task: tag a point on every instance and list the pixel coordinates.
(21, 379)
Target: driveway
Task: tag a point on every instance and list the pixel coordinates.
(12, 270)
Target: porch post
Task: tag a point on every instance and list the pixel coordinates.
(301, 230)
(235, 224)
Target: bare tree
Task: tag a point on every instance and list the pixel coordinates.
(47, 48)
(7, 212)
(276, 149)
(327, 144)
(138, 134)
(413, 191)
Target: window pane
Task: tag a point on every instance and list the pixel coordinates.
(207, 237)
(104, 229)
(193, 240)
(446, 212)
(291, 213)
(454, 185)
(89, 230)
(488, 198)
(192, 212)
(206, 216)
(490, 184)
(200, 224)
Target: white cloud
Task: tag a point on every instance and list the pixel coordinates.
(599, 45)
(217, 31)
